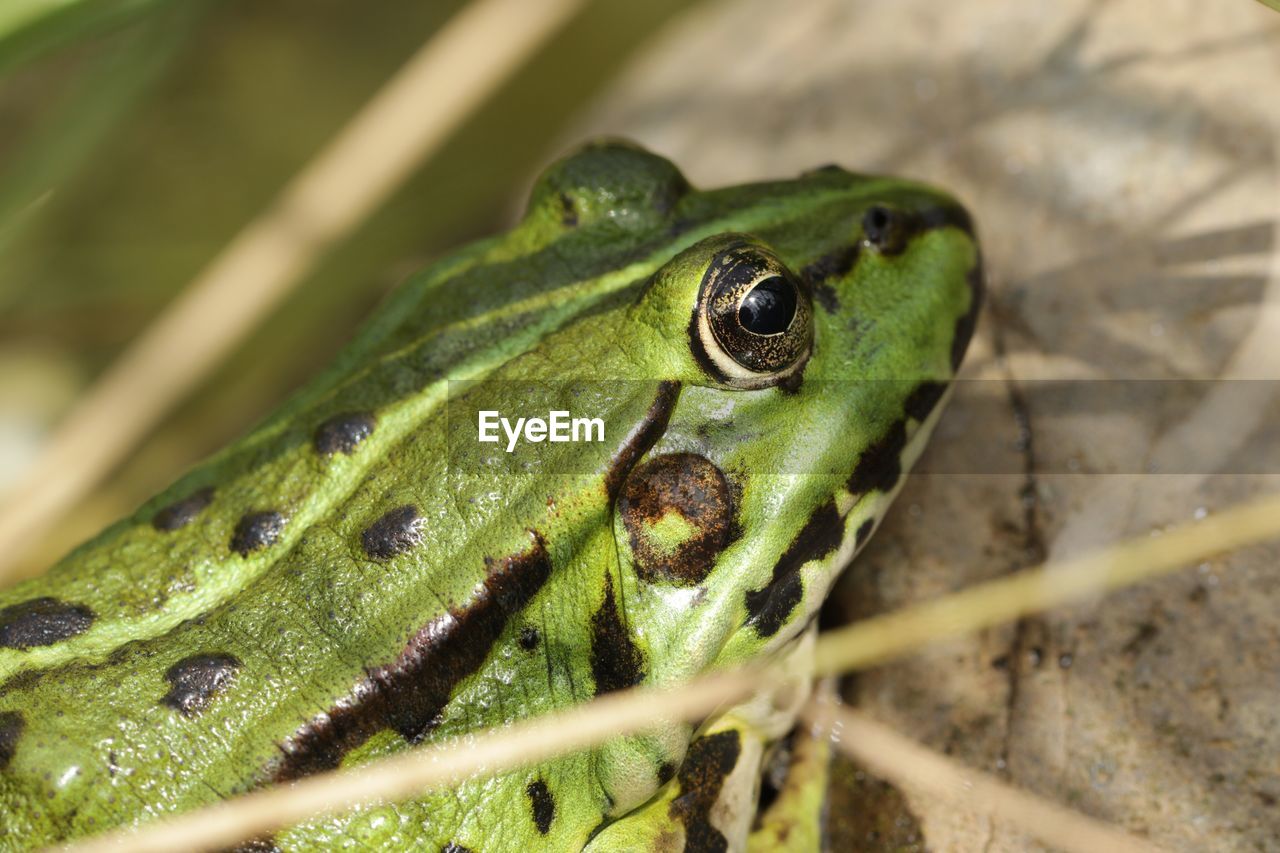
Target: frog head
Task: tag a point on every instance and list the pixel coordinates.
(811, 334)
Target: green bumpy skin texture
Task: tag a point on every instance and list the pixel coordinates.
(359, 574)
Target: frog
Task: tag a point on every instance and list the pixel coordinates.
(361, 574)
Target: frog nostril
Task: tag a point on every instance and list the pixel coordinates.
(877, 220)
(882, 227)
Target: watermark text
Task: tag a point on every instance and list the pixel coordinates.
(557, 426)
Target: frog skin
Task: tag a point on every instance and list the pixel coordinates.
(360, 574)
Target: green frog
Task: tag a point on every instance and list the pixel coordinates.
(755, 368)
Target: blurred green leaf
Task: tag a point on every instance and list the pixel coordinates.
(252, 92)
(30, 28)
(73, 119)
(73, 115)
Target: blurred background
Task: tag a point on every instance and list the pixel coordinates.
(1122, 160)
(140, 135)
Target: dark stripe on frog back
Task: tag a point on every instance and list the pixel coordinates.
(409, 694)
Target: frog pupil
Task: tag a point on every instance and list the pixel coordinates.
(769, 308)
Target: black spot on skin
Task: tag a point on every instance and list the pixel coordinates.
(11, 726)
(256, 530)
(181, 513)
(768, 608)
(454, 847)
(880, 465)
(922, 400)
(616, 661)
(394, 533)
(864, 532)
(969, 320)
(529, 638)
(195, 680)
(343, 433)
(691, 487)
(42, 622)
(543, 805)
(568, 211)
(666, 772)
(889, 231)
(409, 694)
(836, 264)
(643, 437)
(710, 761)
(945, 216)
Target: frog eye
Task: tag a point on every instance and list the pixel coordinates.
(753, 323)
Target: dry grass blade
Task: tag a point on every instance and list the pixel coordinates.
(408, 119)
(396, 778)
(875, 640)
(868, 642)
(908, 764)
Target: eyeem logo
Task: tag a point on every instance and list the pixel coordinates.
(557, 426)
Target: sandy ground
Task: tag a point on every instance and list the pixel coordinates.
(1123, 163)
